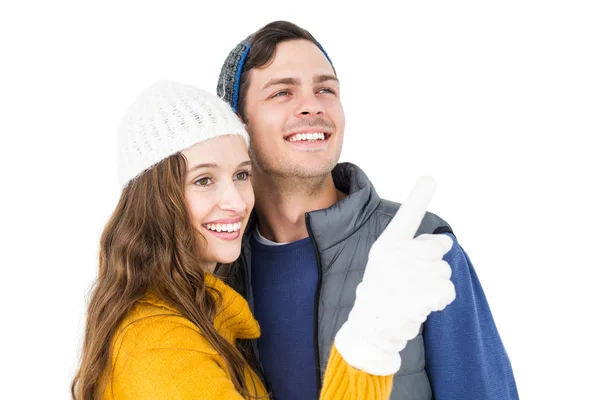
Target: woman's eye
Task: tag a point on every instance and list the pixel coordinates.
(242, 176)
(203, 182)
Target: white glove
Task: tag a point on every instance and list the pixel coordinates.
(405, 280)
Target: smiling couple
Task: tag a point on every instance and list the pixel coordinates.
(242, 261)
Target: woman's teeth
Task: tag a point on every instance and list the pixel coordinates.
(307, 136)
(224, 227)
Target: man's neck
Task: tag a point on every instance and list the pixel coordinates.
(281, 206)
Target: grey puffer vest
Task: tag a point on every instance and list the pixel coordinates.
(342, 236)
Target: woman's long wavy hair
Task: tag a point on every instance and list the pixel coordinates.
(150, 242)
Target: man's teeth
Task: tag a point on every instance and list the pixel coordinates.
(224, 227)
(307, 136)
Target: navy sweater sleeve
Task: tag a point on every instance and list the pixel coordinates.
(464, 355)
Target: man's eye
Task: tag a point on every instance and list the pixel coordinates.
(326, 90)
(281, 94)
(203, 182)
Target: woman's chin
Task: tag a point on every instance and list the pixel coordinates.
(227, 258)
(221, 253)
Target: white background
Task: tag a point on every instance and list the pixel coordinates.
(499, 101)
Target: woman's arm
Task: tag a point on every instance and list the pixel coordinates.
(343, 381)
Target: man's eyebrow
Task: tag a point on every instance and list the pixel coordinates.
(282, 81)
(296, 81)
(324, 78)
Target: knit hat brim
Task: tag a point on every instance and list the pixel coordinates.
(166, 118)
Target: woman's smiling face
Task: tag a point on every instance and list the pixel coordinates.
(219, 195)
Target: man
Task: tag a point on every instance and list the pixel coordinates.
(306, 248)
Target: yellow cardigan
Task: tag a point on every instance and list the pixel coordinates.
(159, 354)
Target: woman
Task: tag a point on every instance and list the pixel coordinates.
(160, 323)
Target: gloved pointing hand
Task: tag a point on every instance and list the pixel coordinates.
(404, 281)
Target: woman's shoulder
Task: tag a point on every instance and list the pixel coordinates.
(150, 308)
(157, 352)
(154, 323)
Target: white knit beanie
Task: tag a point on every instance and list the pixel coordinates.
(166, 118)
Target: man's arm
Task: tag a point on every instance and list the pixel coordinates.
(465, 357)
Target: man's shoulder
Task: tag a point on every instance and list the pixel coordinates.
(432, 223)
(346, 172)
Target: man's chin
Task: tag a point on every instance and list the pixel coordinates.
(292, 166)
(306, 171)
(317, 169)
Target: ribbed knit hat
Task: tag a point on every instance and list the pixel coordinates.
(228, 86)
(166, 118)
(229, 79)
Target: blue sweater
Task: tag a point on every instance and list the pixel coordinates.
(465, 357)
(284, 284)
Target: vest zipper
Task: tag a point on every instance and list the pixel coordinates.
(317, 298)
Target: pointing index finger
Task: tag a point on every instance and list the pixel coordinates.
(407, 220)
